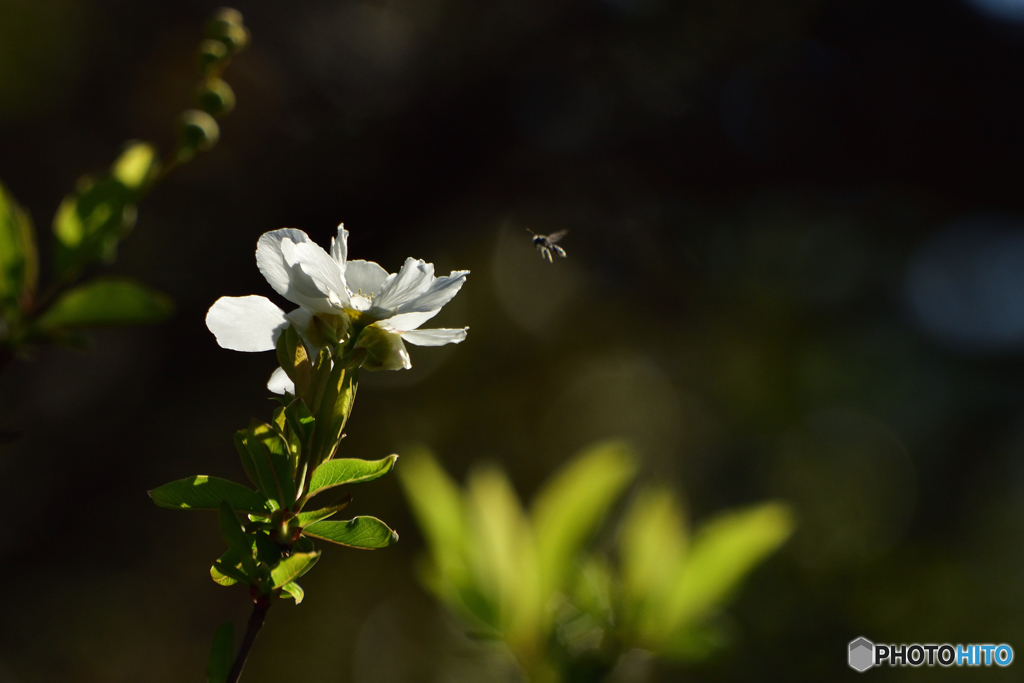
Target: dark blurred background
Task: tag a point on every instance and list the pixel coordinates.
(795, 269)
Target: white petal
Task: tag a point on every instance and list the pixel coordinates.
(293, 265)
(246, 323)
(412, 280)
(436, 337)
(404, 322)
(339, 246)
(271, 261)
(440, 292)
(314, 274)
(280, 383)
(364, 276)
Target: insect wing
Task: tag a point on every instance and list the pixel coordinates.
(555, 236)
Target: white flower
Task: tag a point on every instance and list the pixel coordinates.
(383, 309)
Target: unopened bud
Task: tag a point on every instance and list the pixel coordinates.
(384, 349)
(212, 54)
(198, 131)
(227, 27)
(215, 97)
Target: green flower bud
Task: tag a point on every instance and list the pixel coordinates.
(385, 350)
(215, 97)
(212, 54)
(229, 15)
(227, 27)
(198, 131)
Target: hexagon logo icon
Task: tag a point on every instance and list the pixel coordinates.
(862, 654)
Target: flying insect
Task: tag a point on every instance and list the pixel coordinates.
(547, 243)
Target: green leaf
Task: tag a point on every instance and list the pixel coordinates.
(19, 262)
(292, 568)
(89, 223)
(137, 165)
(262, 462)
(267, 552)
(248, 465)
(359, 532)
(436, 503)
(222, 654)
(723, 552)
(266, 445)
(233, 533)
(568, 510)
(206, 493)
(295, 590)
(225, 569)
(593, 589)
(652, 545)
(106, 302)
(348, 471)
(502, 555)
(307, 518)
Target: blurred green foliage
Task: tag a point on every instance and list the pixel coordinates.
(565, 611)
(93, 219)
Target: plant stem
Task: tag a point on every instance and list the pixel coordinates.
(259, 614)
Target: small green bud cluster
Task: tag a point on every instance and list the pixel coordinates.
(226, 36)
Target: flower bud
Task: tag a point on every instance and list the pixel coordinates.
(215, 97)
(227, 27)
(198, 131)
(385, 350)
(212, 54)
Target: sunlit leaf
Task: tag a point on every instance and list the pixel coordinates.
(136, 166)
(569, 508)
(592, 591)
(292, 567)
(89, 223)
(436, 503)
(359, 532)
(267, 446)
(723, 552)
(294, 590)
(502, 553)
(349, 471)
(106, 302)
(247, 462)
(652, 545)
(225, 569)
(222, 654)
(19, 262)
(206, 493)
(262, 462)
